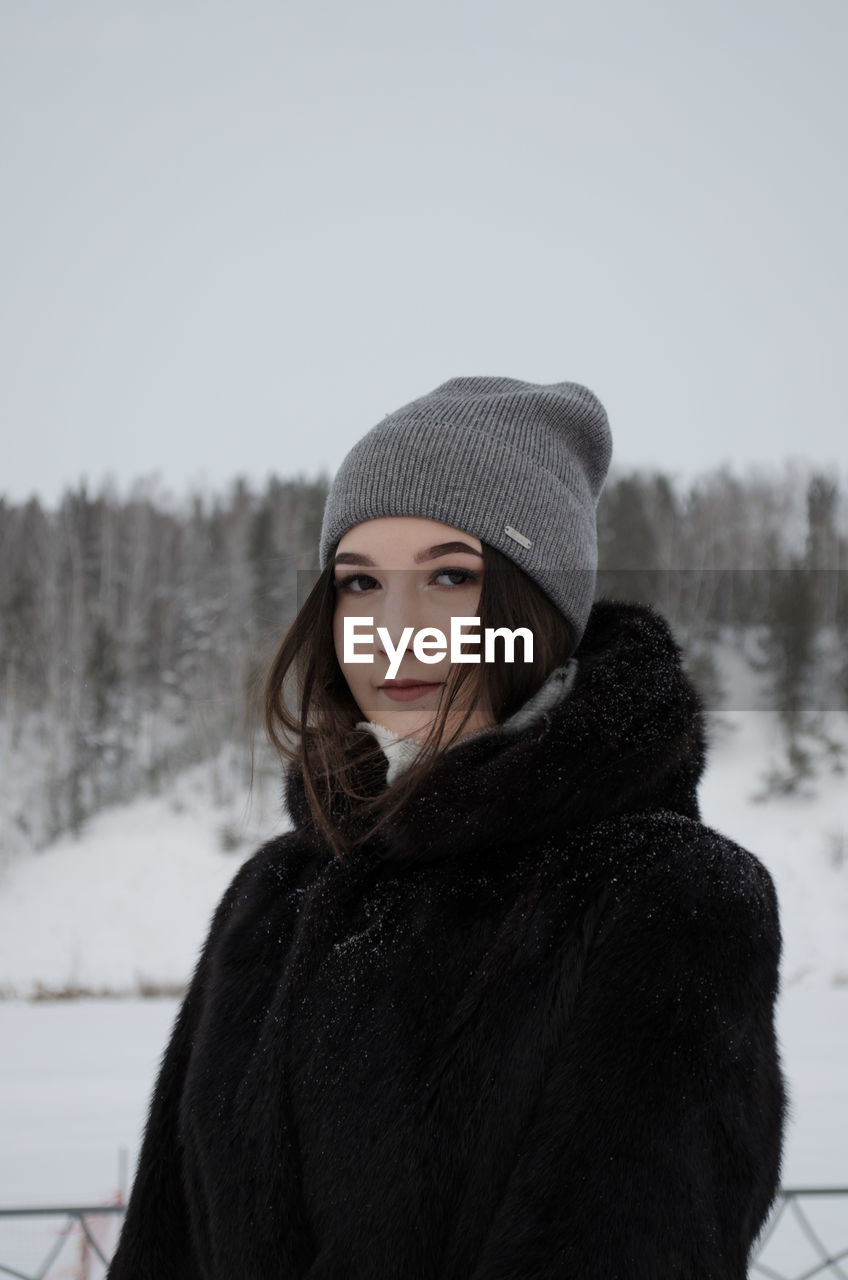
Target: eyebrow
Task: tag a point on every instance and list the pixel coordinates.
(429, 553)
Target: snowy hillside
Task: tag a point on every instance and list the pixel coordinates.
(125, 907)
(803, 840)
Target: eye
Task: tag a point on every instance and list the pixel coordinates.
(358, 583)
(465, 576)
(347, 584)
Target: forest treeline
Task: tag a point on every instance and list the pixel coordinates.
(134, 631)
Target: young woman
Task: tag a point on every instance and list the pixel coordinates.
(498, 1006)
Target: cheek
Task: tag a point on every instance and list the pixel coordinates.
(353, 672)
(338, 623)
(338, 642)
(464, 604)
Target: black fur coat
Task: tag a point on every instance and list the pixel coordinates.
(527, 1033)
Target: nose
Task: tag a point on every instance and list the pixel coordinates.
(397, 607)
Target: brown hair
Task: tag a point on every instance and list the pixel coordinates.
(321, 736)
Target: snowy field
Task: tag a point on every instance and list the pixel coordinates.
(128, 904)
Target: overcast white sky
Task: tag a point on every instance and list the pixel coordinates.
(235, 235)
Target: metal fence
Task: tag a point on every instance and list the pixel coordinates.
(805, 1237)
(77, 1223)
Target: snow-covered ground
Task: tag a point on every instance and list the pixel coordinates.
(803, 840)
(129, 902)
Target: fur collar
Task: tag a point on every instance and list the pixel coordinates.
(628, 737)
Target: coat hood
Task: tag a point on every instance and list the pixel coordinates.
(628, 737)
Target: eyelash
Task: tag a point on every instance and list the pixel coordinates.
(468, 575)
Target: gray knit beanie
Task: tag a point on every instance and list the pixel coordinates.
(518, 465)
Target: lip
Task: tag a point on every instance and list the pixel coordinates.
(407, 690)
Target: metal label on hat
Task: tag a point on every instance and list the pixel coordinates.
(516, 536)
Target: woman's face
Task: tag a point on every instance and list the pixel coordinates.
(404, 572)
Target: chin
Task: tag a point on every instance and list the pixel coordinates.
(401, 720)
(404, 721)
